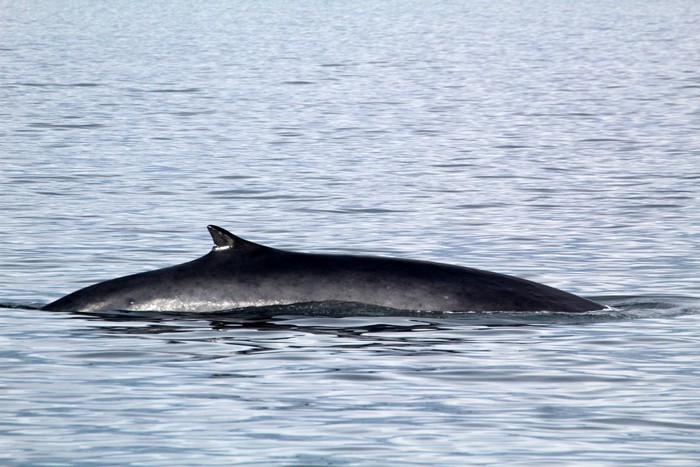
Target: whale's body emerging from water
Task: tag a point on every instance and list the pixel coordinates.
(238, 273)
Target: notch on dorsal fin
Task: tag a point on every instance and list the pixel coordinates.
(223, 239)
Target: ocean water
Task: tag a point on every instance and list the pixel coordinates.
(556, 141)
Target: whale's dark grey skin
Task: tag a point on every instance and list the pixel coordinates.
(238, 273)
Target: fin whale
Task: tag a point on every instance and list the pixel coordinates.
(238, 273)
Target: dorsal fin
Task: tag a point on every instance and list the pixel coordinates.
(224, 240)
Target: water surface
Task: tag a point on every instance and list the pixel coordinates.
(548, 140)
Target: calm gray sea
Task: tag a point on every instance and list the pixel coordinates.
(553, 140)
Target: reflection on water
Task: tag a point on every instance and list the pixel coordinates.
(361, 322)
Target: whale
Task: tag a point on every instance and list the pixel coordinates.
(237, 274)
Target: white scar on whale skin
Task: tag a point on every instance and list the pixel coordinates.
(164, 304)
